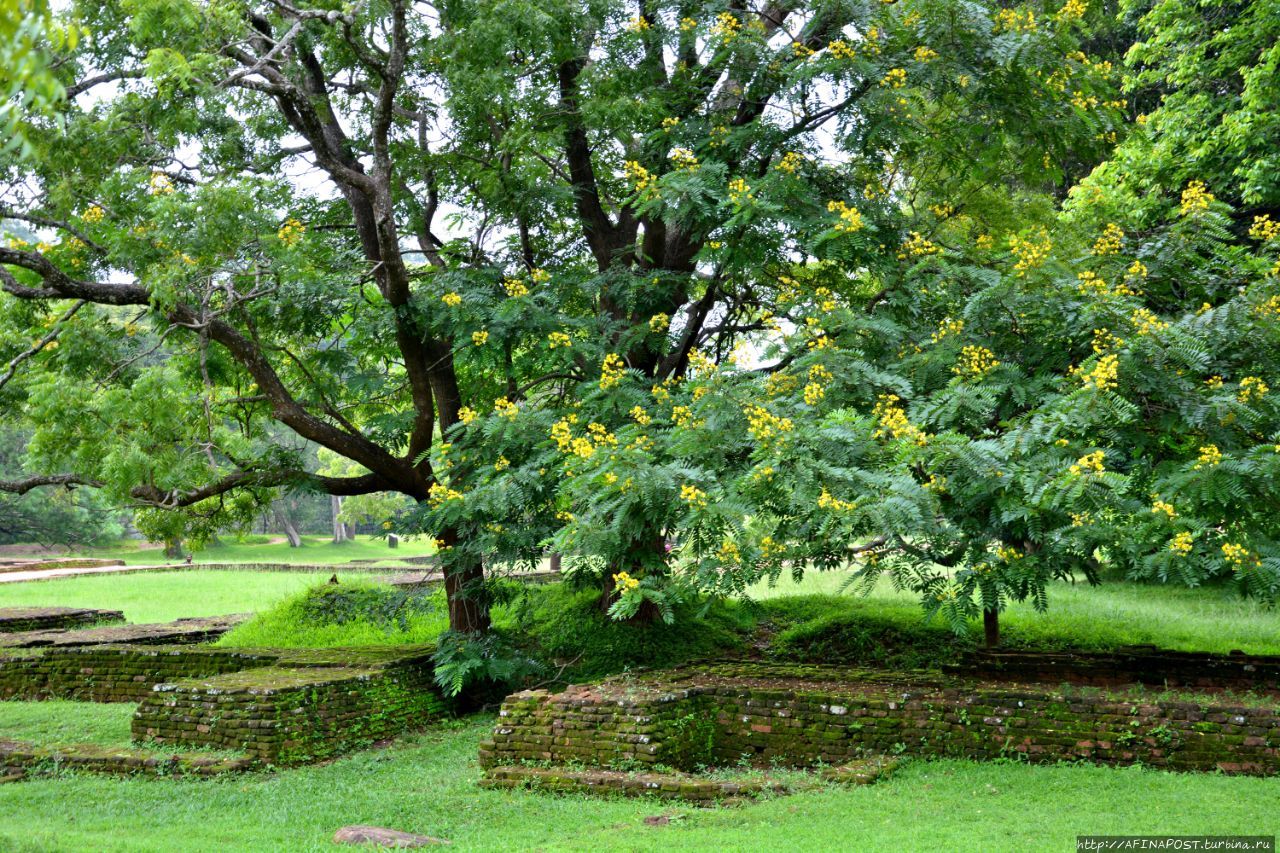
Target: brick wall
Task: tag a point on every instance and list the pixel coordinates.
(111, 673)
(17, 619)
(831, 715)
(292, 715)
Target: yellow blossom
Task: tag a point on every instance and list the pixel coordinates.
(505, 408)
(1159, 506)
(558, 339)
(659, 323)
(1264, 228)
(1252, 388)
(1195, 198)
(480, 338)
(1181, 543)
(453, 300)
(1146, 323)
(637, 25)
(1015, 20)
(892, 421)
(291, 232)
(842, 50)
(1210, 456)
(1090, 463)
(683, 159)
(515, 288)
(850, 218)
(640, 416)
(93, 214)
(727, 26)
(975, 362)
(740, 192)
(693, 496)
(790, 163)
(894, 78)
(160, 184)
(1238, 556)
(502, 464)
(924, 54)
(1073, 10)
(612, 369)
(466, 414)
(1031, 250)
(1110, 241)
(623, 582)
(828, 501)
(916, 245)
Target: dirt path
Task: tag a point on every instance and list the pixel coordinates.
(54, 574)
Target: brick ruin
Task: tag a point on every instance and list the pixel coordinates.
(763, 714)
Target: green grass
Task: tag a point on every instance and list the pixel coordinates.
(315, 549)
(59, 722)
(426, 783)
(163, 596)
(1213, 619)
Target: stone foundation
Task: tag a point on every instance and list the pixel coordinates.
(1132, 665)
(19, 619)
(198, 630)
(800, 716)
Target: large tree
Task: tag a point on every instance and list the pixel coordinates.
(240, 223)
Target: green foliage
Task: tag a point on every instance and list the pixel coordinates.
(567, 628)
(487, 663)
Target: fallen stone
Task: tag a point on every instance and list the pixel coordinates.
(383, 837)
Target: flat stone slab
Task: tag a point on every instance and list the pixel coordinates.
(200, 630)
(20, 757)
(24, 619)
(667, 786)
(384, 837)
(43, 564)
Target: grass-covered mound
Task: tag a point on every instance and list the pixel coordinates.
(359, 613)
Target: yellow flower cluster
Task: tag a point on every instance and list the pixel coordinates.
(160, 183)
(1181, 543)
(612, 369)
(790, 162)
(688, 24)
(291, 232)
(947, 328)
(539, 276)
(894, 78)
(1145, 322)
(729, 552)
(505, 408)
(727, 26)
(1104, 341)
(942, 211)
(1008, 553)
(1073, 10)
(1090, 463)
(558, 339)
(693, 496)
(740, 192)
(892, 421)
(1210, 456)
(1214, 382)
(769, 547)
(623, 582)
(813, 393)
(1031, 250)
(1252, 388)
(1264, 227)
(850, 217)
(96, 214)
(1269, 308)
(1015, 20)
(975, 362)
(916, 245)
(681, 416)
(1195, 198)
(480, 338)
(1159, 506)
(1136, 270)
(683, 159)
(842, 50)
(466, 414)
(780, 383)
(1105, 374)
(1092, 284)
(871, 42)
(640, 177)
(1238, 556)
(659, 323)
(1081, 519)
(985, 241)
(453, 300)
(439, 493)
(515, 288)
(502, 464)
(764, 425)
(826, 500)
(1110, 241)
(924, 54)
(670, 123)
(637, 24)
(640, 416)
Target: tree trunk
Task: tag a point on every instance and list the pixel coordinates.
(286, 524)
(555, 562)
(173, 549)
(339, 529)
(464, 589)
(991, 628)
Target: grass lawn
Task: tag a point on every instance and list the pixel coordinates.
(315, 549)
(426, 783)
(61, 722)
(163, 596)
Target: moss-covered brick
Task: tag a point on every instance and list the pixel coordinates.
(721, 714)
